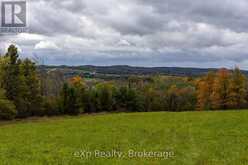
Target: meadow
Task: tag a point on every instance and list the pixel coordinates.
(188, 138)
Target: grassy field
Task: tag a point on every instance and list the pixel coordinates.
(184, 138)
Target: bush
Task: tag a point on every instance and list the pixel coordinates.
(129, 99)
(50, 106)
(7, 110)
(69, 101)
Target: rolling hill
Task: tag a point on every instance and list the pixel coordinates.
(124, 70)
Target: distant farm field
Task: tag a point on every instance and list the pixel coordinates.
(188, 138)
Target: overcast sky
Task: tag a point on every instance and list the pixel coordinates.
(184, 33)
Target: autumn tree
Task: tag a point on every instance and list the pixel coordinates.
(152, 99)
(180, 99)
(135, 82)
(171, 99)
(221, 90)
(187, 98)
(204, 91)
(81, 92)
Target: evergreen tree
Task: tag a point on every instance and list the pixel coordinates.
(14, 82)
(129, 99)
(11, 78)
(21, 82)
(4, 61)
(68, 101)
(33, 94)
(106, 100)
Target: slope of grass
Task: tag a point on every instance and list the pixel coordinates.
(190, 138)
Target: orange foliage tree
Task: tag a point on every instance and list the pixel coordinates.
(204, 92)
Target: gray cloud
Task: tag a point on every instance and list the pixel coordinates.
(192, 33)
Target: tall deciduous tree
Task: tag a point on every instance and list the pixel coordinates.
(80, 88)
(204, 91)
(221, 93)
(237, 89)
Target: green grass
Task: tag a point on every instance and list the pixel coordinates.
(193, 137)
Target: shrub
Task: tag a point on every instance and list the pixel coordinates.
(51, 107)
(7, 110)
(69, 101)
(129, 99)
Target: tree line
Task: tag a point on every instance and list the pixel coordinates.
(24, 92)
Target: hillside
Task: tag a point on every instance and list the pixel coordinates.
(187, 138)
(124, 70)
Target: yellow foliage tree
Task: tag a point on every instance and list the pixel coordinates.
(237, 89)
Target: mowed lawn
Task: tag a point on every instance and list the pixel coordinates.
(194, 138)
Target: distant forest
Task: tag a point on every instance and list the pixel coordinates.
(129, 70)
(28, 90)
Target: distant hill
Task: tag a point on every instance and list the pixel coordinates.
(123, 70)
